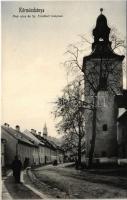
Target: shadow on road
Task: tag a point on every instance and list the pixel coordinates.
(19, 191)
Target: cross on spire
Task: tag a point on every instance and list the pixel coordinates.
(101, 10)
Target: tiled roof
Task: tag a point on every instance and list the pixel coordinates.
(17, 135)
(29, 138)
(33, 138)
(45, 141)
(49, 143)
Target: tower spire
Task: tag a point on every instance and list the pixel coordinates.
(45, 131)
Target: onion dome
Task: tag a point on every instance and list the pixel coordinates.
(101, 31)
(101, 47)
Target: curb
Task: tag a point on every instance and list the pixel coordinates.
(37, 192)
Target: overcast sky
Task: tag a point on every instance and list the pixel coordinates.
(32, 50)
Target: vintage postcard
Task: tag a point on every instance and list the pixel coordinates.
(64, 99)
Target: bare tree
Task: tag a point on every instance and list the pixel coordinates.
(69, 110)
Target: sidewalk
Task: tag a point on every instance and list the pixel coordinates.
(11, 190)
(5, 193)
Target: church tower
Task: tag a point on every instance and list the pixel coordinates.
(45, 131)
(103, 80)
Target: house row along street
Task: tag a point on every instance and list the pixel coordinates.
(67, 182)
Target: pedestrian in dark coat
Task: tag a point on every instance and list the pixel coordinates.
(16, 167)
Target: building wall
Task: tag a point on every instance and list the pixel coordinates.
(25, 151)
(106, 140)
(48, 154)
(14, 147)
(3, 153)
(41, 154)
(11, 146)
(37, 155)
(53, 154)
(122, 138)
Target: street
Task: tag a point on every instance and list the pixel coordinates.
(11, 190)
(62, 182)
(66, 182)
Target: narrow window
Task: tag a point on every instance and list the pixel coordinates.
(105, 128)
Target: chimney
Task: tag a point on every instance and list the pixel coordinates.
(6, 125)
(33, 131)
(17, 128)
(39, 133)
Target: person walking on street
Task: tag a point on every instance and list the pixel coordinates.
(16, 167)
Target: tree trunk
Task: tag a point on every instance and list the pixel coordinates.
(91, 153)
(79, 151)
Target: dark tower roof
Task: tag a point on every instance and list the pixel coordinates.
(101, 31)
(101, 47)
